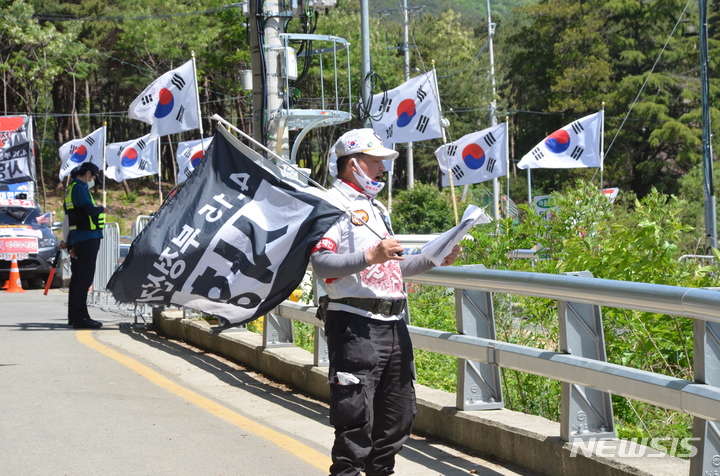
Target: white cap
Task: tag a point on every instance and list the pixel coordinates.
(359, 141)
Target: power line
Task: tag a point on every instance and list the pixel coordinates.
(57, 17)
(642, 88)
(108, 56)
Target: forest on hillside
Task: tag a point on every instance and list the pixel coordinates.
(75, 65)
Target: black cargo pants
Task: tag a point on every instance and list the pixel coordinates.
(82, 266)
(372, 418)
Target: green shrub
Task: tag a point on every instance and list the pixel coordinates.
(586, 232)
(129, 198)
(421, 210)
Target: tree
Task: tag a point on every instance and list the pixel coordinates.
(33, 56)
(571, 56)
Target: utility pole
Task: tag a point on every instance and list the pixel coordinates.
(264, 48)
(493, 106)
(365, 55)
(406, 55)
(406, 59)
(708, 177)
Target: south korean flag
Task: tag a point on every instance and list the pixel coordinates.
(474, 158)
(132, 159)
(574, 146)
(170, 103)
(189, 154)
(408, 113)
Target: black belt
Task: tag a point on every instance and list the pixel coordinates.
(376, 306)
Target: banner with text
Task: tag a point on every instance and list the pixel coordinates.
(17, 162)
(233, 242)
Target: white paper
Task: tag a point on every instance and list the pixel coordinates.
(437, 249)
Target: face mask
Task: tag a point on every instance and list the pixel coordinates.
(370, 186)
(91, 184)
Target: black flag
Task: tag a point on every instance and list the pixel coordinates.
(233, 242)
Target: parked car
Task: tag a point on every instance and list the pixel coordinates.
(22, 223)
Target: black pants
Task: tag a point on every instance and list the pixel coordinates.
(82, 266)
(372, 418)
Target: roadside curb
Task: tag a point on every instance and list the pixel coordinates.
(528, 441)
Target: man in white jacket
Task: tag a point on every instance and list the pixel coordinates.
(372, 399)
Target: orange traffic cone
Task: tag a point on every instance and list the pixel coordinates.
(14, 286)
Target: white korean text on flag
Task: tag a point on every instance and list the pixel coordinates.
(132, 159)
(189, 154)
(170, 103)
(78, 151)
(233, 242)
(17, 162)
(574, 146)
(408, 113)
(475, 157)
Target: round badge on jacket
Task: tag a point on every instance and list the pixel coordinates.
(360, 214)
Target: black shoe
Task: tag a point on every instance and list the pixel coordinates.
(87, 323)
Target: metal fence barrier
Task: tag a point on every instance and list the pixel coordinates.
(108, 261)
(108, 256)
(140, 223)
(588, 380)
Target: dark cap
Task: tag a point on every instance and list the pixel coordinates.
(85, 167)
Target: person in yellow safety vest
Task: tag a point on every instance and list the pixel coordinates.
(86, 221)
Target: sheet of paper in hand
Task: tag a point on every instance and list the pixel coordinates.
(437, 249)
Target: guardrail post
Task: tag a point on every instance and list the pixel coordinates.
(585, 413)
(706, 434)
(321, 356)
(277, 331)
(479, 386)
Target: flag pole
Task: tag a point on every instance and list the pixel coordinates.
(104, 192)
(452, 181)
(230, 127)
(602, 143)
(157, 151)
(443, 124)
(529, 186)
(391, 172)
(507, 161)
(197, 97)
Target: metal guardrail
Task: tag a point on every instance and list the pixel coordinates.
(588, 381)
(656, 298)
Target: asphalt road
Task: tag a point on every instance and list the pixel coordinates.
(123, 401)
